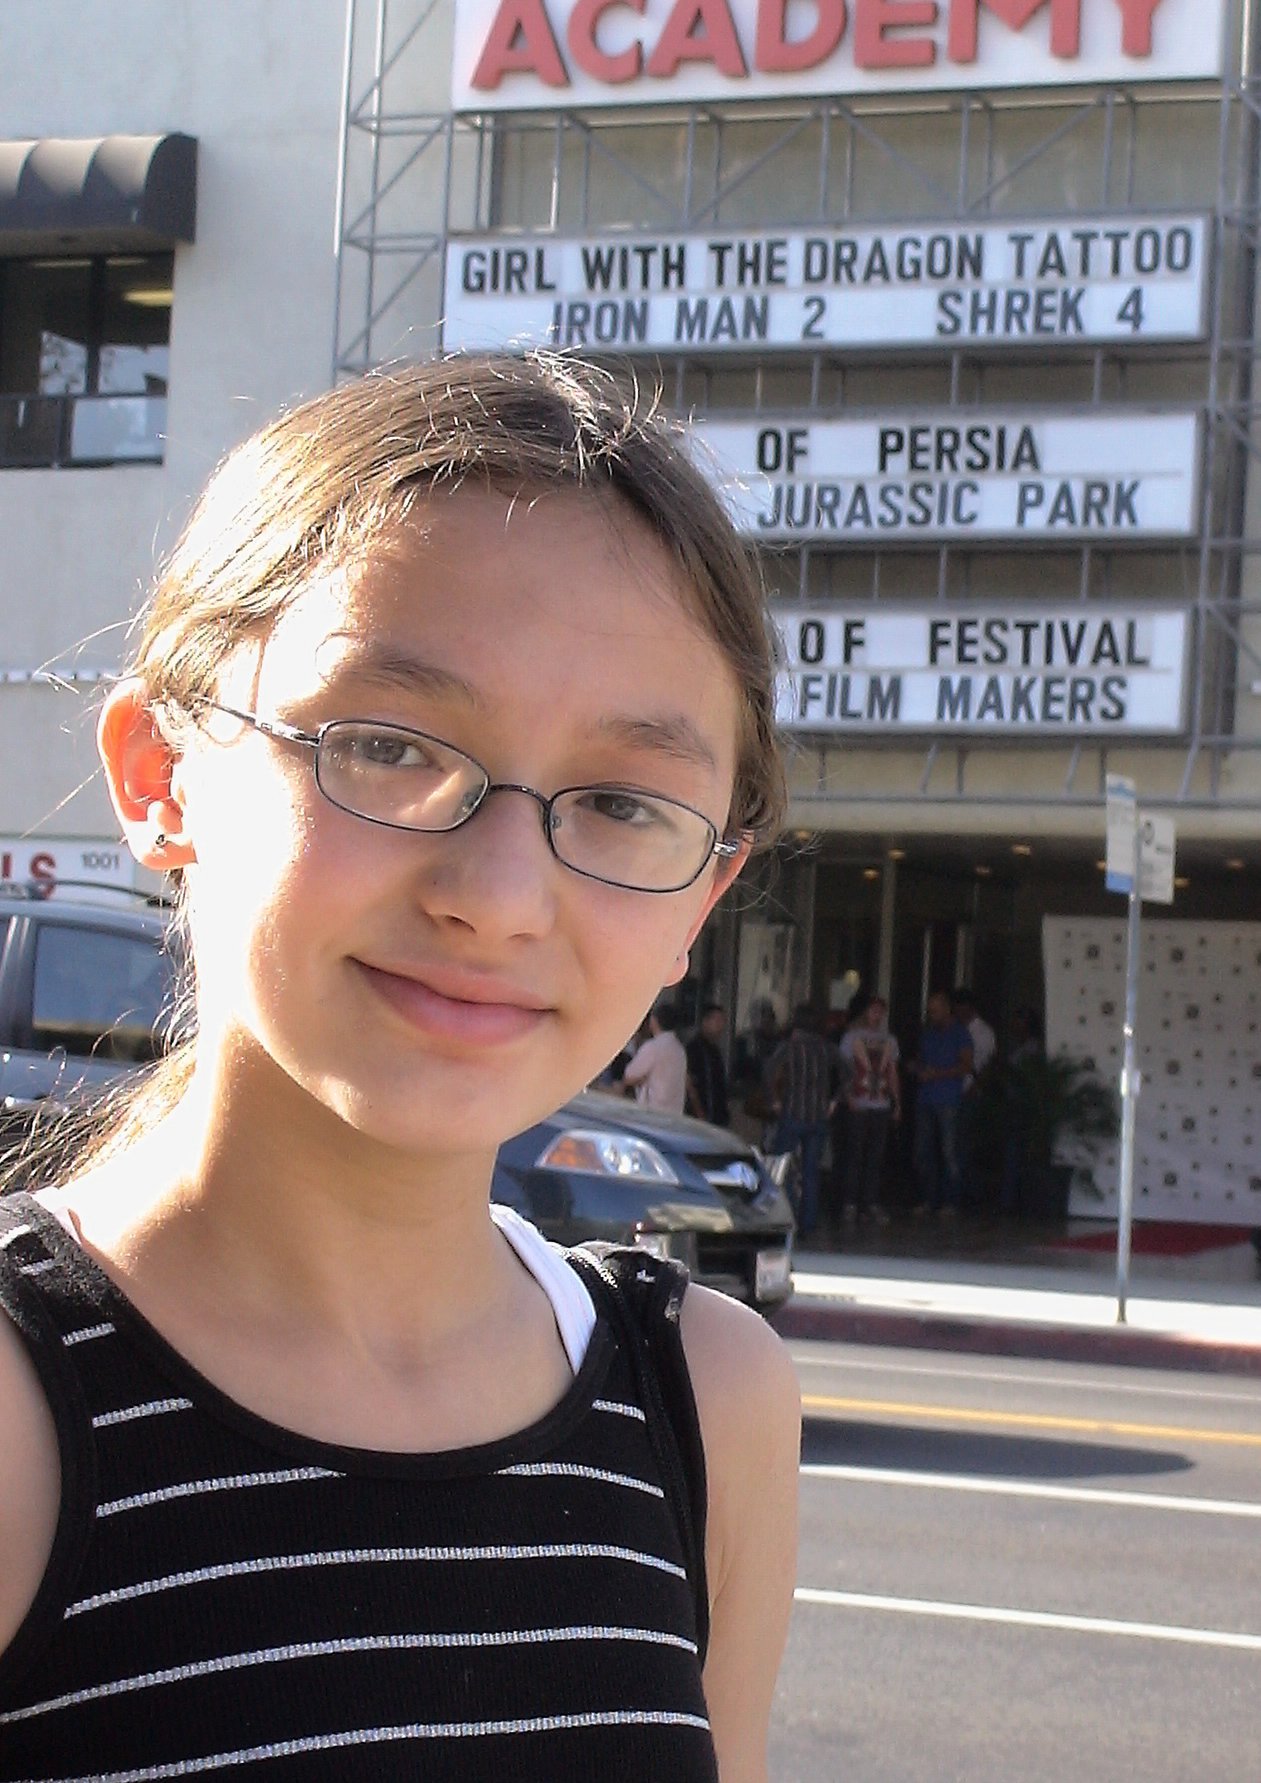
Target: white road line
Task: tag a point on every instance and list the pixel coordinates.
(975, 1612)
(961, 1482)
(1057, 1383)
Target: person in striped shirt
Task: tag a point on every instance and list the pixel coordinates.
(450, 720)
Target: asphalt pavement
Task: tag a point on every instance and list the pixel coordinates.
(1020, 1568)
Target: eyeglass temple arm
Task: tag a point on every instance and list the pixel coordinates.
(270, 727)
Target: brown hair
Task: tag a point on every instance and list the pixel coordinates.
(331, 479)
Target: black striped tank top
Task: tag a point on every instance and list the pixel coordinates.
(225, 1597)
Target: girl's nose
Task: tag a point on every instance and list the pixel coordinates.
(496, 874)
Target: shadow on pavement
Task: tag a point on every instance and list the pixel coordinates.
(841, 1442)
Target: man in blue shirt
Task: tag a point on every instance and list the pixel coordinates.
(943, 1067)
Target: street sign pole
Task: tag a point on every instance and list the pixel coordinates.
(1130, 1083)
(1141, 864)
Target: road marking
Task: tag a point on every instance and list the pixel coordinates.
(1058, 1383)
(975, 1612)
(962, 1482)
(964, 1414)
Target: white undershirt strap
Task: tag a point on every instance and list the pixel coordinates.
(571, 1303)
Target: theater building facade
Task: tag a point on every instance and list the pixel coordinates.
(961, 298)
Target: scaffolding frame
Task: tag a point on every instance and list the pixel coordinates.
(411, 180)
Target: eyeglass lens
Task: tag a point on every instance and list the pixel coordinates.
(411, 781)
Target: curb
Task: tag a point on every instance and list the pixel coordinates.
(1118, 1345)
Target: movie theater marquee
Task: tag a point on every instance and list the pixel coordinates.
(1083, 670)
(530, 54)
(1063, 282)
(1034, 476)
(1048, 282)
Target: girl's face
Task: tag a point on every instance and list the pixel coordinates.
(440, 992)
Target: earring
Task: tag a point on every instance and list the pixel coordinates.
(681, 960)
(159, 842)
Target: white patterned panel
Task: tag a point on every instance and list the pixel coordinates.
(1198, 1137)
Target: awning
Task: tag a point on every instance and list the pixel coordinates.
(100, 194)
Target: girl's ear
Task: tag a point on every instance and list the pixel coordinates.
(726, 873)
(139, 765)
(729, 867)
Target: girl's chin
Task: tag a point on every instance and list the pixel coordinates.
(445, 1118)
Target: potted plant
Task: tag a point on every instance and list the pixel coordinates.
(1055, 1105)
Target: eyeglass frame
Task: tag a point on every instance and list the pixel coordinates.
(722, 848)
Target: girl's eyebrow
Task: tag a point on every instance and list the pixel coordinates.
(399, 673)
(674, 735)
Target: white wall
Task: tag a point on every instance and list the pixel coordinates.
(258, 82)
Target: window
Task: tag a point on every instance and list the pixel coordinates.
(84, 348)
(99, 993)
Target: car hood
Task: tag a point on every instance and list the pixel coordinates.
(678, 1131)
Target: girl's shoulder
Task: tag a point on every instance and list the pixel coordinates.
(30, 1471)
(746, 1387)
(750, 1418)
(29, 1482)
(749, 1406)
(731, 1402)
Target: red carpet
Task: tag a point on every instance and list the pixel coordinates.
(1159, 1238)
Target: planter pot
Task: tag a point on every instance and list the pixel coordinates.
(1046, 1197)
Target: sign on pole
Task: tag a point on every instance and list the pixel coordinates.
(1156, 859)
(1122, 822)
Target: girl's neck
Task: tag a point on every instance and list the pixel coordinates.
(267, 1202)
(374, 1307)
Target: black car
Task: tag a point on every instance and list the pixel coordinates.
(84, 987)
(602, 1167)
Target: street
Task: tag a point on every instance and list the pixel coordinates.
(1022, 1570)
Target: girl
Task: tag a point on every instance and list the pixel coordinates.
(452, 714)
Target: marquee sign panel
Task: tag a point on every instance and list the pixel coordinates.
(1085, 670)
(1052, 283)
(1029, 476)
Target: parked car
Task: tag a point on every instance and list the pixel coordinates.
(85, 995)
(602, 1167)
(83, 988)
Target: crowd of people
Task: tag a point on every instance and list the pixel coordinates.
(873, 1127)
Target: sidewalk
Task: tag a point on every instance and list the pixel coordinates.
(983, 1289)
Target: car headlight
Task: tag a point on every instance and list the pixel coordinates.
(601, 1152)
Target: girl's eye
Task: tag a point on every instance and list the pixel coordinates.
(367, 748)
(622, 807)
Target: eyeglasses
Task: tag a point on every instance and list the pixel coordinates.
(407, 780)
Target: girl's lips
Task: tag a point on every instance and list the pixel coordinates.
(452, 1018)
